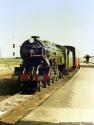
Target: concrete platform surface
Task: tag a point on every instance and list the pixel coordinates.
(58, 115)
(71, 104)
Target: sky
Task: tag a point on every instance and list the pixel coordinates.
(66, 22)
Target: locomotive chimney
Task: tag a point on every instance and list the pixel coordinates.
(35, 37)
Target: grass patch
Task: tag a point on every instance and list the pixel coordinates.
(10, 61)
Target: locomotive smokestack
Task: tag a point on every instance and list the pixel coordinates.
(35, 37)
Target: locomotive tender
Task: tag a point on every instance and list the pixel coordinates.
(44, 62)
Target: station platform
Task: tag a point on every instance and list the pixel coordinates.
(72, 104)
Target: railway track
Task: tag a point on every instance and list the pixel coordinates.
(11, 102)
(4, 97)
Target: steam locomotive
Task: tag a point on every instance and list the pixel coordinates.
(44, 62)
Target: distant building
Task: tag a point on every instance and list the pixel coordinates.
(15, 50)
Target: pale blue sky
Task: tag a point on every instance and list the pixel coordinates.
(67, 22)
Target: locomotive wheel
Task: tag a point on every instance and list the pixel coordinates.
(38, 86)
(48, 82)
(57, 78)
(38, 89)
(60, 75)
(53, 80)
(44, 84)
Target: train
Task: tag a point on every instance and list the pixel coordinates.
(44, 63)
